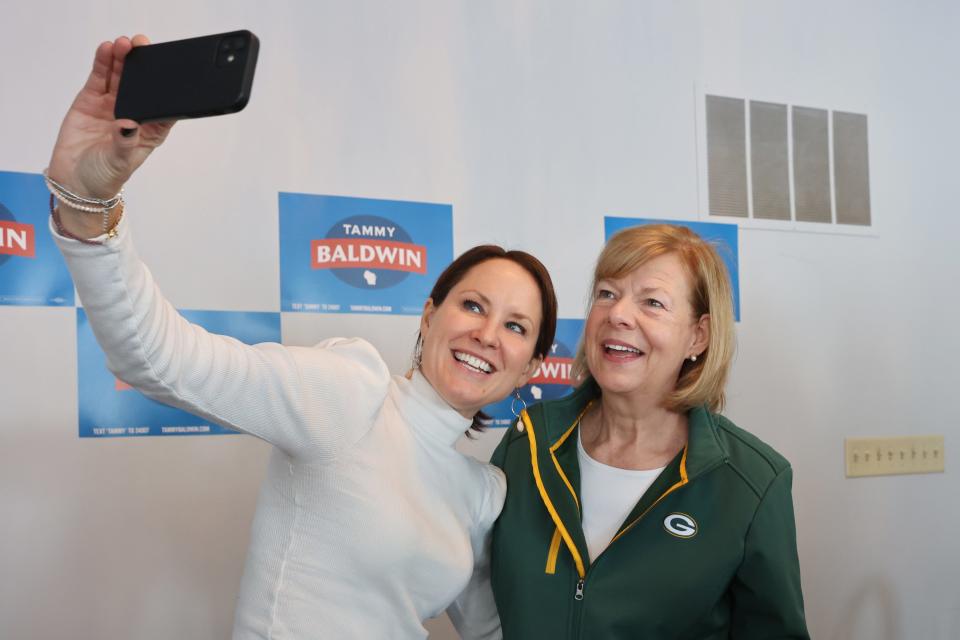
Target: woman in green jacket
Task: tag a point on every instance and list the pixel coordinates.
(633, 509)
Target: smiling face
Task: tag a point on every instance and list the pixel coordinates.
(478, 344)
(641, 328)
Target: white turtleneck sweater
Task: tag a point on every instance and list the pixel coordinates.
(369, 521)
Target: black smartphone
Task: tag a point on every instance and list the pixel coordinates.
(193, 78)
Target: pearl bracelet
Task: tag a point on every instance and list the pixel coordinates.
(55, 214)
(82, 203)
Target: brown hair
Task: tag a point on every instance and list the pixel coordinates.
(703, 381)
(457, 270)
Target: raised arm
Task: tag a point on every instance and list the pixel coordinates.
(307, 401)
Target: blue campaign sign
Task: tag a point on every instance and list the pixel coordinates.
(32, 271)
(111, 408)
(358, 255)
(723, 236)
(551, 380)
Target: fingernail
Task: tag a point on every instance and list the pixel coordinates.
(126, 133)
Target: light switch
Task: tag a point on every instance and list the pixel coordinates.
(894, 456)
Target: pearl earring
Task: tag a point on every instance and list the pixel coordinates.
(693, 358)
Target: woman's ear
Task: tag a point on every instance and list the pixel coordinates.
(701, 336)
(426, 316)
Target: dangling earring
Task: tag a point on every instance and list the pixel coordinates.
(513, 403)
(418, 353)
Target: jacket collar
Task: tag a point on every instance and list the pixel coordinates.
(556, 419)
(552, 427)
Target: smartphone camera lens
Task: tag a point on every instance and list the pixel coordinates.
(230, 50)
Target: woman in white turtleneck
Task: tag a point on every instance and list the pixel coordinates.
(369, 521)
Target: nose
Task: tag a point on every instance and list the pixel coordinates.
(621, 314)
(487, 334)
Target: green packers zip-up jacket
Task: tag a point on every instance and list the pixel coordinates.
(708, 552)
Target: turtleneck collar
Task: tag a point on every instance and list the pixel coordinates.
(427, 412)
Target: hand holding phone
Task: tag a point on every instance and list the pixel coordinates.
(104, 138)
(95, 154)
(193, 78)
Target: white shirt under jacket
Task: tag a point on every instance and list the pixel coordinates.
(369, 521)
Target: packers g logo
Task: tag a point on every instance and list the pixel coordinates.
(680, 525)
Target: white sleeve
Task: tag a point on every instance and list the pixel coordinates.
(474, 612)
(309, 402)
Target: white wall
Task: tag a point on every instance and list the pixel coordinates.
(534, 119)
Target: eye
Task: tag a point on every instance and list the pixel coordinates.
(517, 327)
(656, 304)
(605, 294)
(472, 306)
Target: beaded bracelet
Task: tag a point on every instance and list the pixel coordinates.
(58, 225)
(82, 203)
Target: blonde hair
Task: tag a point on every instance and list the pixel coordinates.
(703, 381)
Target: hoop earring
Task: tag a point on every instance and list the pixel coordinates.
(513, 403)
